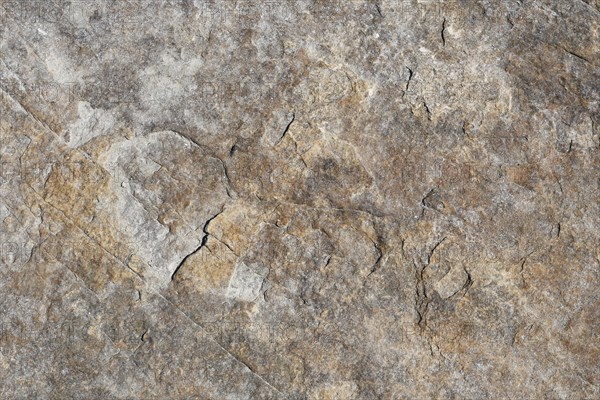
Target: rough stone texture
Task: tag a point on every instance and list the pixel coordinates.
(357, 199)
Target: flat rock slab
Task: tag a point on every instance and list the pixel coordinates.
(357, 199)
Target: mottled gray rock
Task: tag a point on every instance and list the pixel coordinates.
(358, 199)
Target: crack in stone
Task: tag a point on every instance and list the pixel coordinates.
(202, 244)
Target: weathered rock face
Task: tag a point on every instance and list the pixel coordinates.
(308, 199)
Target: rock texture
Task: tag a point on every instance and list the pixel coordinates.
(357, 199)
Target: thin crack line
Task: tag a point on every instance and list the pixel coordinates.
(202, 243)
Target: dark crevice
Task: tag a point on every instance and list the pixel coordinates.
(377, 263)
(410, 76)
(442, 33)
(202, 244)
(427, 110)
(287, 128)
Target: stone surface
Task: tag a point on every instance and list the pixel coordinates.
(358, 199)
